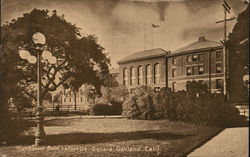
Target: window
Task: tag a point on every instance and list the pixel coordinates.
(65, 99)
(174, 86)
(69, 99)
(174, 61)
(173, 72)
(132, 76)
(219, 84)
(81, 99)
(189, 71)
(195, 58)
(195, 70)
(189, 58)
(218, 67)
(148, 74)
(157, 73)
(125, 76)
(200, 57)
(201, 69)
(140, 75)
(218, 54)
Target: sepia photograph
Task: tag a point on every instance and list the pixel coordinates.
(124, 78)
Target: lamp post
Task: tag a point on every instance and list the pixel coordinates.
(39, 41)
(92, 91)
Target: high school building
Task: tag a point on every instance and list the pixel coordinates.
(86, 94)
(200, 61)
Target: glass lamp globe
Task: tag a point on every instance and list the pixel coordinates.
(46, 55)
(52, 60)
(38, 38)
(32, 59)
(24, 54)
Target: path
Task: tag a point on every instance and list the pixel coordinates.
(231, 142)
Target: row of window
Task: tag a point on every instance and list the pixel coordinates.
(137, 78)
(196, 57)
(218, 84)
(197, 70)
(111, 84)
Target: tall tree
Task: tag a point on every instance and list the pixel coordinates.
(238, 50)
(78, 57)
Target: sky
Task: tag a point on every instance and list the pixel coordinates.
(125, 26)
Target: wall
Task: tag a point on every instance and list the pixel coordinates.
(144, 63)
(181, 65)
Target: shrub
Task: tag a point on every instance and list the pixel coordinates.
(140, 104)
(196, 106)
(112, 108)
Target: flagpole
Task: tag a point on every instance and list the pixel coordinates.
(144, 36)
(152, 38)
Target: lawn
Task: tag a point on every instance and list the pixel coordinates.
(85, 137)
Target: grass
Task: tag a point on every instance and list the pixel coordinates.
(111, 137)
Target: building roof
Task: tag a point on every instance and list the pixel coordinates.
(144, 55)
(201, 44)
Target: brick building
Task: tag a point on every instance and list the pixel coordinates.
(200, 61)
(144, 68)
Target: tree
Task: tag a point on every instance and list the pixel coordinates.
(238, 50)
(195, 88)
(79, 58)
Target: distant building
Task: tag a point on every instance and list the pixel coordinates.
(201, 61)
(111, 79)
(86, 94)
(82, 99)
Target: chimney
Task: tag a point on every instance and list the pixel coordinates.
(202, 38)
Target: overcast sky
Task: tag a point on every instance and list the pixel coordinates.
(123, 27)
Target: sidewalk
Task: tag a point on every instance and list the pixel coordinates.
(231, 142)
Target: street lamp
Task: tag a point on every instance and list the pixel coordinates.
(92, 91)
(39, 40)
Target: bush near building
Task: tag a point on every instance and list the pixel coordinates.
(112, 108)
(194, 106)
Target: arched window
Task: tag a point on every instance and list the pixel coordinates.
(132, 76)
(157, 73)
(148, 74)
(140, 75)
(125, 77)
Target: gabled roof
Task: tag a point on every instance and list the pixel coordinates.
(201, 44)
(144, 55)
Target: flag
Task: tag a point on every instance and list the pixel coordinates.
(155, 26)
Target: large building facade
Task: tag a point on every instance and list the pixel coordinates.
(144, 68)
(156, 68)
(200, 61)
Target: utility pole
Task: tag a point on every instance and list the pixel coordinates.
(227, 9)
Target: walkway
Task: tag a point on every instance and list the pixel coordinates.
(231, 142)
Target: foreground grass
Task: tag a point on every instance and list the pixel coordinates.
(111, 137)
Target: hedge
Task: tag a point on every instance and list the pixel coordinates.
(199, 108)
